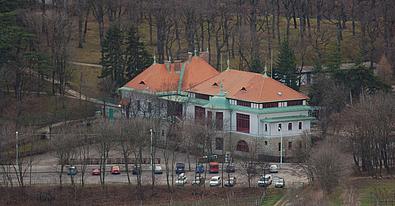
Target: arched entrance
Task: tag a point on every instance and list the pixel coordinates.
(242, 146)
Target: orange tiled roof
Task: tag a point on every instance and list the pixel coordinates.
(157, 78)
(248, 86)
(197, 71)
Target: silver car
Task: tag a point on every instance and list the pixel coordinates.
(278, 182)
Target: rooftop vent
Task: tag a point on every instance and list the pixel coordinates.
(142, 82)
(279, 93)
(243, 89)
(215, 84)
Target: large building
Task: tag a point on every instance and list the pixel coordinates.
(252, 112)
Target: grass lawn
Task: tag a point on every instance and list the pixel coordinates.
(43, 110)
(272, 197)
(335, 199)
(88, 76)
(384, 189)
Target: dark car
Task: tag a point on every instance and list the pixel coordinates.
(230, 169)
(199, 169)
(136, 170)
(180, 168)
(72, 170)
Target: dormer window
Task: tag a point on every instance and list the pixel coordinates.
(215, 84)
(142, 82)
(243, 89)
(279, 93)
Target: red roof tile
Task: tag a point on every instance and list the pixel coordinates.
(248, 86)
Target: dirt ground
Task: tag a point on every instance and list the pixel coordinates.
(117, 195)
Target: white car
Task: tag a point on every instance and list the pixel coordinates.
(215, 181)
(273, 168)
(278, 182)
(157, 169)
(265, 181)
(230, 182)
(181, 180)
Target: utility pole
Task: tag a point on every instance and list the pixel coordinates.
(16, 149)
(152, 160)
(281, 145)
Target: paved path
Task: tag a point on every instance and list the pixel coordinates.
(85, 64)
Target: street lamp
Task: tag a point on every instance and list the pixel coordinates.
(281, 144)
(152, 152)
(16, 149)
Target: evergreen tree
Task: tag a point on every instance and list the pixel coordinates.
(137, 57)
(256, 66)
(286, 71)
(334, 58)
(113, 61)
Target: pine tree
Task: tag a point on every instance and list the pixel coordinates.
(286, 71)
(334, 58)
(256, 66)
(137, 57)
(113, 61)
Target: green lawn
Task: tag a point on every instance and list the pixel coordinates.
(88, 76)
(383, 189)
(272, 197)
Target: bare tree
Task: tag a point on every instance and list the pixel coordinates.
(63, 146)
(328, 165)
(104, 143)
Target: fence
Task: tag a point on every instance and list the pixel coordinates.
(232, 201)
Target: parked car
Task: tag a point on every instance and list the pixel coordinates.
(115, 170)
(199, 169)
(215, 181)
(278, 182)
(72, 170)
(136, 170)
(198, 181)
(96, 171)
(265, 180)
(230, 182)
(180, 168)
(230, 168)
(213, 167)
(157, 169)
(181, 179)
(273, 168)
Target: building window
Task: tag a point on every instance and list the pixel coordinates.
(242, 146)
(300, 125)
(265, 127)
(279, 146)
(149, 107)
(199, 113)
(163, 132)
(265, 142)
(290, 126)
(243, 123)
(138, 105)
(270, 104)
(289, 145)
(295, 102)
(219, 121)
(202, 96)
(209, 118)
(279, 126)
(243, 103)
(219, 143)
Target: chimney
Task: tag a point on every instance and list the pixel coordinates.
(168, 64)
(177, 65)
